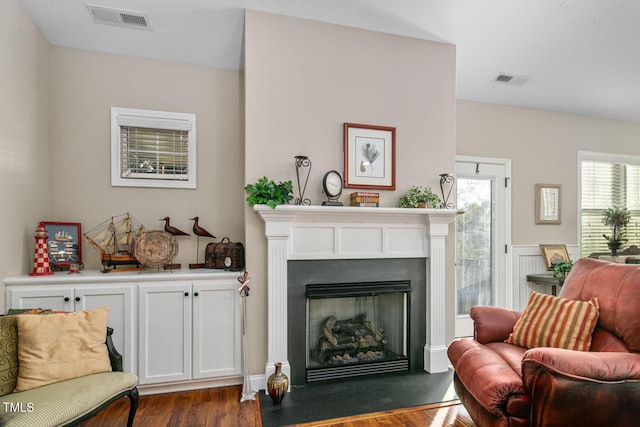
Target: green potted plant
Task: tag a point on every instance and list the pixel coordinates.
(562, 268)
(266, 191)
(419, 197)
(618, 219)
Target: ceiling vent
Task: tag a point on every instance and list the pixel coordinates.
(511, 79)
(119, 17)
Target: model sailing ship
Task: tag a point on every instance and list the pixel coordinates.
(114, 239)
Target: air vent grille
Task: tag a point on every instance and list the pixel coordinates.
(511, 79)
(122, 18)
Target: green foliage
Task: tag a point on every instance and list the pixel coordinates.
(618, 219)
(267, 192)
(417, 195)
(562, 268)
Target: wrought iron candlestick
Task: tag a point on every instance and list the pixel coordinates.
(303, 164)
(447, 182)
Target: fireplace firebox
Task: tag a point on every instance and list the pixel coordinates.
(356, 329)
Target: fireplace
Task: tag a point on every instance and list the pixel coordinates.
(391, 292)
(334, 235)
(356, 329)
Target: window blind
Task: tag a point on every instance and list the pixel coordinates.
(149, 153)
(606, 184)
(154, 149)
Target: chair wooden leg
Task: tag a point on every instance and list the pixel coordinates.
(134, 399)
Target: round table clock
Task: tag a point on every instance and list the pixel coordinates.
(332, 187)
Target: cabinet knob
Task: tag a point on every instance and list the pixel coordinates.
(186, 294)
(67, 299)
(195, 294)
(77, 298)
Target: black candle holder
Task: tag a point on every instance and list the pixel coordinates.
(303, 164)
(447, 182)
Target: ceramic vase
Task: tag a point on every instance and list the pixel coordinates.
(277, 384)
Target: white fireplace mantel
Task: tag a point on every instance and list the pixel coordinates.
(335, 232)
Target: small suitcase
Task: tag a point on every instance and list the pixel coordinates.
(224, 254)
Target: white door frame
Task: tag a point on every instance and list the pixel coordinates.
(506, 288)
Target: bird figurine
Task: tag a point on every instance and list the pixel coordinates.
(171, 229)
(199, 231)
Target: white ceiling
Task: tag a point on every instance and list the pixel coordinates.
(582, 55)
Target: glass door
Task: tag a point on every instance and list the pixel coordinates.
(481, 238)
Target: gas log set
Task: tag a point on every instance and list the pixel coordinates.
(349, 341)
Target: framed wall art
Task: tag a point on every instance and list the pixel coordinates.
(64, 243)
(369, 157)
(554, 254)
(548, 203)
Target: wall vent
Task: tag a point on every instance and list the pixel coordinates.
(119, 17)
(511, 79)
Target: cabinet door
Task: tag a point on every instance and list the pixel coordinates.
(164, 332)
(119, 299)
(45, 297)
(216, 329)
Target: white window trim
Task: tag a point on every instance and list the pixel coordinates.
(602, 157)
(151, 119)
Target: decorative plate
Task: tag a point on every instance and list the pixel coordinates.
(155, 248)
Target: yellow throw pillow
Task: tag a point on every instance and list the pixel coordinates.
(61, 346)
(550, 321)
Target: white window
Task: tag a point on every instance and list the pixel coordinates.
(606, 181)
(153, 148)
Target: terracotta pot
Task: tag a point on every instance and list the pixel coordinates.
(277, 384)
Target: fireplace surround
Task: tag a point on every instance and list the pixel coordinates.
(354, 233)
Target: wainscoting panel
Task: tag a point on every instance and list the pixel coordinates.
(527, 259)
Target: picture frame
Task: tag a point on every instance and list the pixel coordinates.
(64, 243)
(369, 157)
(548, 203)
(553, 254)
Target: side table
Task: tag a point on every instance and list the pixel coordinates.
(546, 279)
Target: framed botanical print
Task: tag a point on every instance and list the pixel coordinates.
(369, 157)
(64, 243)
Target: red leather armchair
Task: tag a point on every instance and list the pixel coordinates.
(502, 384)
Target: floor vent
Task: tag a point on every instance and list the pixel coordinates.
(511, 79)
(119, 17)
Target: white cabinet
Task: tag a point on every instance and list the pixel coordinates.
(189, 330)
(119, 299)
(176, 330)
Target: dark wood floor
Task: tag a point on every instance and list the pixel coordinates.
(221, 407)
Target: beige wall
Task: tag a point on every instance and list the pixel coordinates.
(85, 85)
(303, 80)
(24, 137)
(543, 147)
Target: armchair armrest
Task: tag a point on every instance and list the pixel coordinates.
(581, 365)
(492, 324)
(114, 356)
(561, 381)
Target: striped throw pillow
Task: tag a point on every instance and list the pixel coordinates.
(550, 321)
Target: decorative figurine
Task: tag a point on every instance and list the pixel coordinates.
(171, 229)
(41, 265)
(174, 232)
(199, 231)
